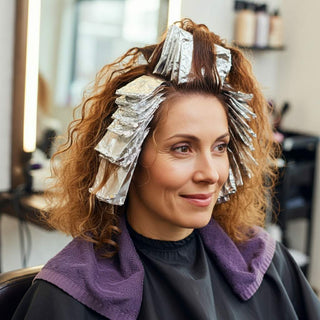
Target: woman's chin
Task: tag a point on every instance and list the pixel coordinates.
(198, 223)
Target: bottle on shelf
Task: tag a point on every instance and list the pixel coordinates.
(245, 23)
(276, 30)
(262, 26)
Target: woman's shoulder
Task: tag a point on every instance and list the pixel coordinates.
(44, 300)
(287, 275)
(286, 267)
(81, 271)
(283, 260)
(60, 278)
(77, 250)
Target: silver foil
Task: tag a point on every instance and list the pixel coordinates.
(115, 190)
(241, 139)
(140, 88)
(223, 62)
(176, 57)
(121, 144)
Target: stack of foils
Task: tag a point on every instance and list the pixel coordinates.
(176, 60)
(121, 145)
(241, 142)
(176, 57)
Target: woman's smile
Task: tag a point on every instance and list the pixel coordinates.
(199, 199)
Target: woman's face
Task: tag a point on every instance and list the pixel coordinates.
(177, 181)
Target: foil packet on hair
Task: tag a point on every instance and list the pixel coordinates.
(177, 53)
(121, 144)
(241, 139)
(141, 88)
(130, 117)
(176, 56)
(115, 190)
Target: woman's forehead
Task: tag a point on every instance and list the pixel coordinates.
(192, 112)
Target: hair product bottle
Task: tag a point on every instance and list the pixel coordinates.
(245, 23)
(276, 30)
(262, 26)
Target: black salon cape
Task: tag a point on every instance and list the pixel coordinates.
(180, 284)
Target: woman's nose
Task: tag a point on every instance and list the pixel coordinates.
(206, 170)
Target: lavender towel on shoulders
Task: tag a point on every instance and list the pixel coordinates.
(113, 287)
(243, 266)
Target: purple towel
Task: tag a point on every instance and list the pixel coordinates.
(113, 287)
(243, 266)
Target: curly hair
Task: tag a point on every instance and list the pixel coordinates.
(75, 211)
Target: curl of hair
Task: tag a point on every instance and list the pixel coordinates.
(73, 210)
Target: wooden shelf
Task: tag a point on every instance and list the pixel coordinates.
(254, 48)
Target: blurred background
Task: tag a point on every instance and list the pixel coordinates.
(52, 49)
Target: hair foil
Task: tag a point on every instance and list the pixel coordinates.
(176, 57)
(121, 145)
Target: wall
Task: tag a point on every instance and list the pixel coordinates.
(7, 10)
(299, 66)
(218, 15)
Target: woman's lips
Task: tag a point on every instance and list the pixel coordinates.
(199, 200)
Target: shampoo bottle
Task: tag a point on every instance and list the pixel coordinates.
(245, 23)
(276, 30)
(262, 26)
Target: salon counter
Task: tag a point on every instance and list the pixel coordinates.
(26, 207)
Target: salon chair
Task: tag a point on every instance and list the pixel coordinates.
(13, 286)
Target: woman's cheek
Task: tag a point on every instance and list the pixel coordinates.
(224, 168)
(173, 173)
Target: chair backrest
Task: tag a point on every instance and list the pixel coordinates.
(13, 286)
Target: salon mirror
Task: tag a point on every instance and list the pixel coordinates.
(77, 38)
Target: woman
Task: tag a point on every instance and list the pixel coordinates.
(162, 184)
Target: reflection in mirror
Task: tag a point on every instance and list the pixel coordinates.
(78, 37)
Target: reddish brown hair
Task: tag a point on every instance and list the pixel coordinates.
(75, 211)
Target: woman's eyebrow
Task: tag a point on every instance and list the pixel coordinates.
(195, 138)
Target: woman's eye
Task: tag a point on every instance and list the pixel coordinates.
(182, 149)
(222, 147)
